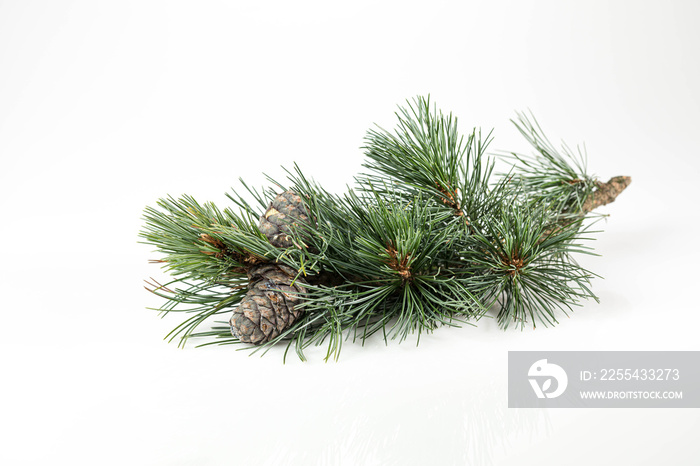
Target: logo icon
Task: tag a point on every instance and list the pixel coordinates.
(543, 370)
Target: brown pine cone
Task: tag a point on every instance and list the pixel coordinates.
(269, 306)
(286, 211)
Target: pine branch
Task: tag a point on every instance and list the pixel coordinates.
(429, 237)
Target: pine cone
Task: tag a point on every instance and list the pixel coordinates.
(285, 212)
(269, 306)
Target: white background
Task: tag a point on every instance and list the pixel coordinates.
(107, 106)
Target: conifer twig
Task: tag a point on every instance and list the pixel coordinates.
(430, 236)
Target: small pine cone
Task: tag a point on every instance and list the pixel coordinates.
(286, 211)
(269, 306)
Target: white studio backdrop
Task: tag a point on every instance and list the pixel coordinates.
(106, 106)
